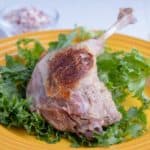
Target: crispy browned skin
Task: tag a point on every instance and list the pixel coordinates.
(66, 69)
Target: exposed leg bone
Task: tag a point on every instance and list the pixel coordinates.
(125, 17)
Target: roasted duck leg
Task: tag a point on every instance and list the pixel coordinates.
(66, 90)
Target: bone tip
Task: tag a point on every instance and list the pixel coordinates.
(126, 12)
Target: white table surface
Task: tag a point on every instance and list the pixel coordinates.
(95, 14)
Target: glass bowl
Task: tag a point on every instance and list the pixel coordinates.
(10, 28)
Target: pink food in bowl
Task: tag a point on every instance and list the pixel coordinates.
(27, 19)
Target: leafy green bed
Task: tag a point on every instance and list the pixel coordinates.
(122, 73)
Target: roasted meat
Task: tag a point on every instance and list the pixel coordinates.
(66, 90)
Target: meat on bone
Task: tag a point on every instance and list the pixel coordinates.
(65, 88)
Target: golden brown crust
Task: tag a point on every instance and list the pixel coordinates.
(66, 69)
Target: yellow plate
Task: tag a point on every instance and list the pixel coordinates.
(19, 140)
